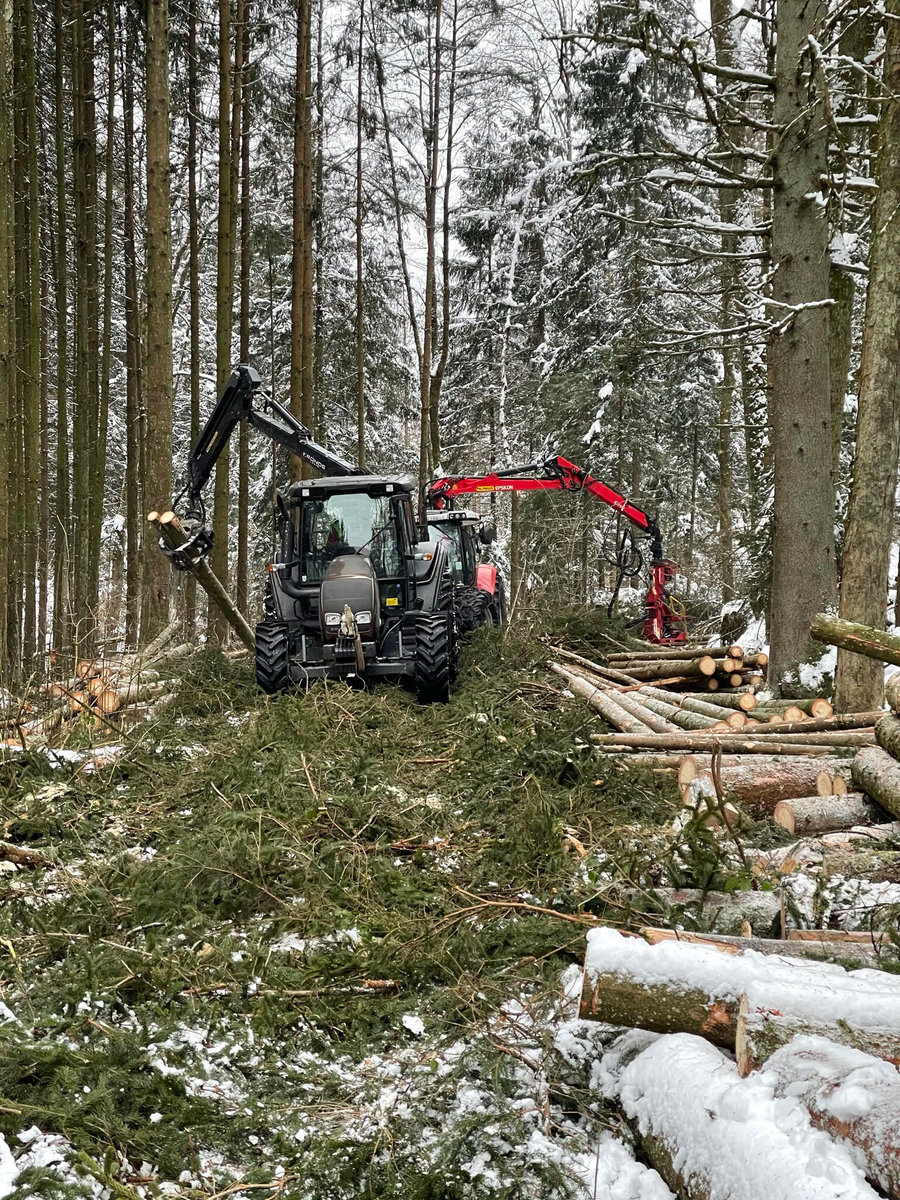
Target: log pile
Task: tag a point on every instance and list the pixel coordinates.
(747, 1071)
(108, 690)
(748, 767)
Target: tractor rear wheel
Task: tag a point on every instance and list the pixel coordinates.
(473, 608)
(434, 657)
(273, 651)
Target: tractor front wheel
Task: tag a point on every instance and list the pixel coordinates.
(273, 649)
(434, 657)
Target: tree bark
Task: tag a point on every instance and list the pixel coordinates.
(190, 584)
(87, 357)
(818, 951)
(824, 814)
(758, 788)
(7, 272)
(134, 439)
(360, 323)
(302, 315)
(157, 574)
(803, 569)
(731, 743)
(877, 773)
(242, 574)
(887, 734)
(867, 546)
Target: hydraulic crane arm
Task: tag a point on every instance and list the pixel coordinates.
(238, 403)
(663, 616)
(272, 419)
(555, 474)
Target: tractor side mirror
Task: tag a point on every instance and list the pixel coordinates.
(486, 533)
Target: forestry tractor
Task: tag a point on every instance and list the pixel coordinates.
(663, 620)
(354, 592)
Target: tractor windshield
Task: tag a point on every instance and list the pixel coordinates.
(348, 523)
(451, 532)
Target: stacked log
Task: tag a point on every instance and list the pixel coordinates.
(107, 689)
(745, 1002)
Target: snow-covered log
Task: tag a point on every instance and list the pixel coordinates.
(715, 1136)
(760, 1002)
(851, 1095)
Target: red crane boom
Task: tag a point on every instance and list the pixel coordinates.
(663, 622)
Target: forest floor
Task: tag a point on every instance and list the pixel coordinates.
(324, 945)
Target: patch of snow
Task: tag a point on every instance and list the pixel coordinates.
(414, 1024)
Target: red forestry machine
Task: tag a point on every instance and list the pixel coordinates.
(663, 620)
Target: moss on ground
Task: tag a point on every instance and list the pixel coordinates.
(192, 973)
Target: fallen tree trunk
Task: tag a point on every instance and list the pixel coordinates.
(823, 814)
(671, 653)
(892, 691)
(878, 866)
(697, 668)
(679, 717)
(659, 985)
(818, 708)
(601, 701)
(855, 953)
(846, 722)
(869, 1022)
(859, 639)
(877, 773)
(634, 704)
(745, 701)
(685, 703)
(887, 734)
(851, 1095)
(758, 787)
(719, 912)
(683, 1096)
(170, 530)
(730, 743)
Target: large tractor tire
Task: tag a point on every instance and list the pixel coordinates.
(273, 650)
(473, 609)
(435, 653)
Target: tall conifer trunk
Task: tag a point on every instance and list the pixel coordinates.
(866, 557)
(803, 566)
(218, 626)
(134, 514)
(159, 307)
(6, 285)
(190, 583)
(63, 515)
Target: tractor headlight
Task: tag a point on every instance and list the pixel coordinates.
(364, 617)
(332, 620)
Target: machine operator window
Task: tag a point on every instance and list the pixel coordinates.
(349, 524)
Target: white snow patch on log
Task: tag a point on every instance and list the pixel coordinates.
(732, 1138)
(823, 993)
